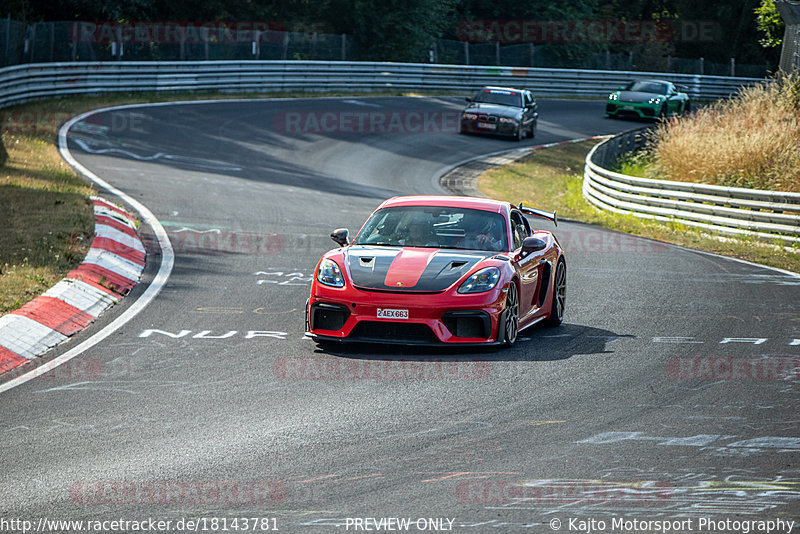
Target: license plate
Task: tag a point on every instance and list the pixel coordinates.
(392, 314)
(486, 126)
(628, 107)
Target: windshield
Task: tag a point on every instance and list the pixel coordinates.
(435, 227)
(499, 96)
(648, 87)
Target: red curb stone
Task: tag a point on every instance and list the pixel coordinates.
(94, 273)
(129, 253)
(111, 207)
(55, 314)
(91, 283)
(10, 360)
(115, 224)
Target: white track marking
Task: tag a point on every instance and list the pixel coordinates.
(159, 155)
(360, 103)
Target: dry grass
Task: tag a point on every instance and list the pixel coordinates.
(752, 140)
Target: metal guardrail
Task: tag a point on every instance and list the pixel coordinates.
(734, 210)
(23, 83)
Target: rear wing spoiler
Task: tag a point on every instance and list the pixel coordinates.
(539, 213)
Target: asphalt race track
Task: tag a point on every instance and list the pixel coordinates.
(669, 393)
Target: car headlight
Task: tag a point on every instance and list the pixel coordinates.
(469, 116)
(330, 274)
(508, 121)
(481, 281)
(654, 100)
(613, 96)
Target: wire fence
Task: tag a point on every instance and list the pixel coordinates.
(567, 56)
(47, 42)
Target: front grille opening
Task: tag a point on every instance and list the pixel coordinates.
(328, 316)
(392, 331)
(468, 323)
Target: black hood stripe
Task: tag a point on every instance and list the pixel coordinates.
(369, 265)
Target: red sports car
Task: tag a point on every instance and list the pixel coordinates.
(439, 270)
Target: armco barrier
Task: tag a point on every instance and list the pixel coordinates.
(735, 210)
(23, 83)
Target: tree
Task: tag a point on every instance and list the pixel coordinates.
(392, 30)
(769, 22)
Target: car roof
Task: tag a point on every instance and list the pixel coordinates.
(503, 88)
(485, 204)
(653, 80)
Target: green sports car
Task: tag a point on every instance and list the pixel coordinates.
(647, 99)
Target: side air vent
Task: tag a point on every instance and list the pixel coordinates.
(467, 323)
(544, 283)
(326, 316)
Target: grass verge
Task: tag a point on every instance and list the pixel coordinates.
(46, 218)
(45, 214)
(551, 179)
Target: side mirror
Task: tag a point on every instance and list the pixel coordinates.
(533, 244)
(340, 236)
(468, 99)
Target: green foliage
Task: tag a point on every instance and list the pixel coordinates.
(404, 30)
(769, 22)
(636, 163)
(394, 30)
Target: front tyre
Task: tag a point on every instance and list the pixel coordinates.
(510, 323)
(559, 295)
